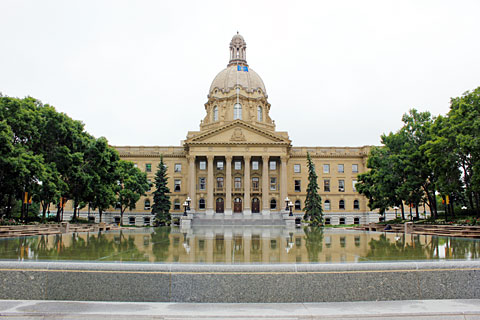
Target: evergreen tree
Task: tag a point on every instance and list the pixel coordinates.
(161, 199)
(313, 202)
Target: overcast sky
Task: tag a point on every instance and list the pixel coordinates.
(337, 73)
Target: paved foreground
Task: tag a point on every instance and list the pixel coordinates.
(414, 309)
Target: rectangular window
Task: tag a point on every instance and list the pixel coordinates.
(203, 165)
(238, 165)
(219, 165)
(326, 168)
(202, 185)
(296, 168)
(326, 185)
(341, 185)
(298, 186)
(178, 167)
(177, 185)
(220, 183)
(237, 182)
(254, 165)
(255, 184)
(273, 183)
(148, 167)
(340, 168)
(354, 168)
(273, 165)
(354, 182)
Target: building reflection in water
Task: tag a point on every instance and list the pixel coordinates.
(238, 245)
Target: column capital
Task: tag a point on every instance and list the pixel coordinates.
(284, 158)
(191, 157)
(265, 157)
(247, 157)
(210, 158)
(229, 158)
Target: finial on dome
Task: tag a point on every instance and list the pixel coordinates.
(238, 51)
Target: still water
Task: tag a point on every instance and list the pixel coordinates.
(238, 245)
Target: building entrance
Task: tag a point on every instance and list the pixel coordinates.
(255, 205)
(237, 205)
(219, 207)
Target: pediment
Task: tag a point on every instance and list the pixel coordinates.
(238, 132)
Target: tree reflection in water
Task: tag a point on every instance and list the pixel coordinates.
(313, 242)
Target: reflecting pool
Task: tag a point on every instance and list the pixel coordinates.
(238, 245)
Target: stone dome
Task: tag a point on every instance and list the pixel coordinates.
(237, 71)
(230, 77)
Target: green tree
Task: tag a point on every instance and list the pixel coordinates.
(313, 202)
(131, 185)
(161, 199)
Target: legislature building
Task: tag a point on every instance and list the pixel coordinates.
(237, 166)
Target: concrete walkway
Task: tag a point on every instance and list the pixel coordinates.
(418, 309)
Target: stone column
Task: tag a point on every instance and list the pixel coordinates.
(265, 187)
(283, 183)
(247, 210)
(228, 186)
(210, 210)
(192, 179)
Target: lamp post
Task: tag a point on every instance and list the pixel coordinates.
(290, 206)
(286, 203)
(396, 208)
(185, 206)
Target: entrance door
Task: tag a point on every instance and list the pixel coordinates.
(219, 205)
(255, 205)
(237, 205)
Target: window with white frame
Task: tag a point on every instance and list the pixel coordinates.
(356, 205)
(340, 168)
(237, 111)
(326, 205)
(220, 183)
(202, 183)
(341, 185)
(298, 187)
(341, 204)
(177, 185)
(255, 183)
(203, 165)
(201, 204)
(326, 185)
(273, 183)
(354, 168)
(254, 165)
(354, 182)
(298, 205)
(177, 167)
(326, 168)
(237, 183)
(220, 165)
(215, 113)
(296, 168)
(259, 114)
(238, 165)
(273, 165)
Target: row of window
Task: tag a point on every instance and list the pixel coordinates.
(237, 184)
(237, 165)
(273, 204)
(237, 112)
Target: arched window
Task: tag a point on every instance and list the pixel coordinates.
(341, 205)
(259, 114)
(146, 204)
(327, 204)
(237, 111)
(201, 204)
(215, 113)
(273, 204)
(342, 221)
(298, 205)
(356, 205)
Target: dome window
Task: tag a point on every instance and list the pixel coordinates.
(237, 111)
(215, 113)
(259, 114)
